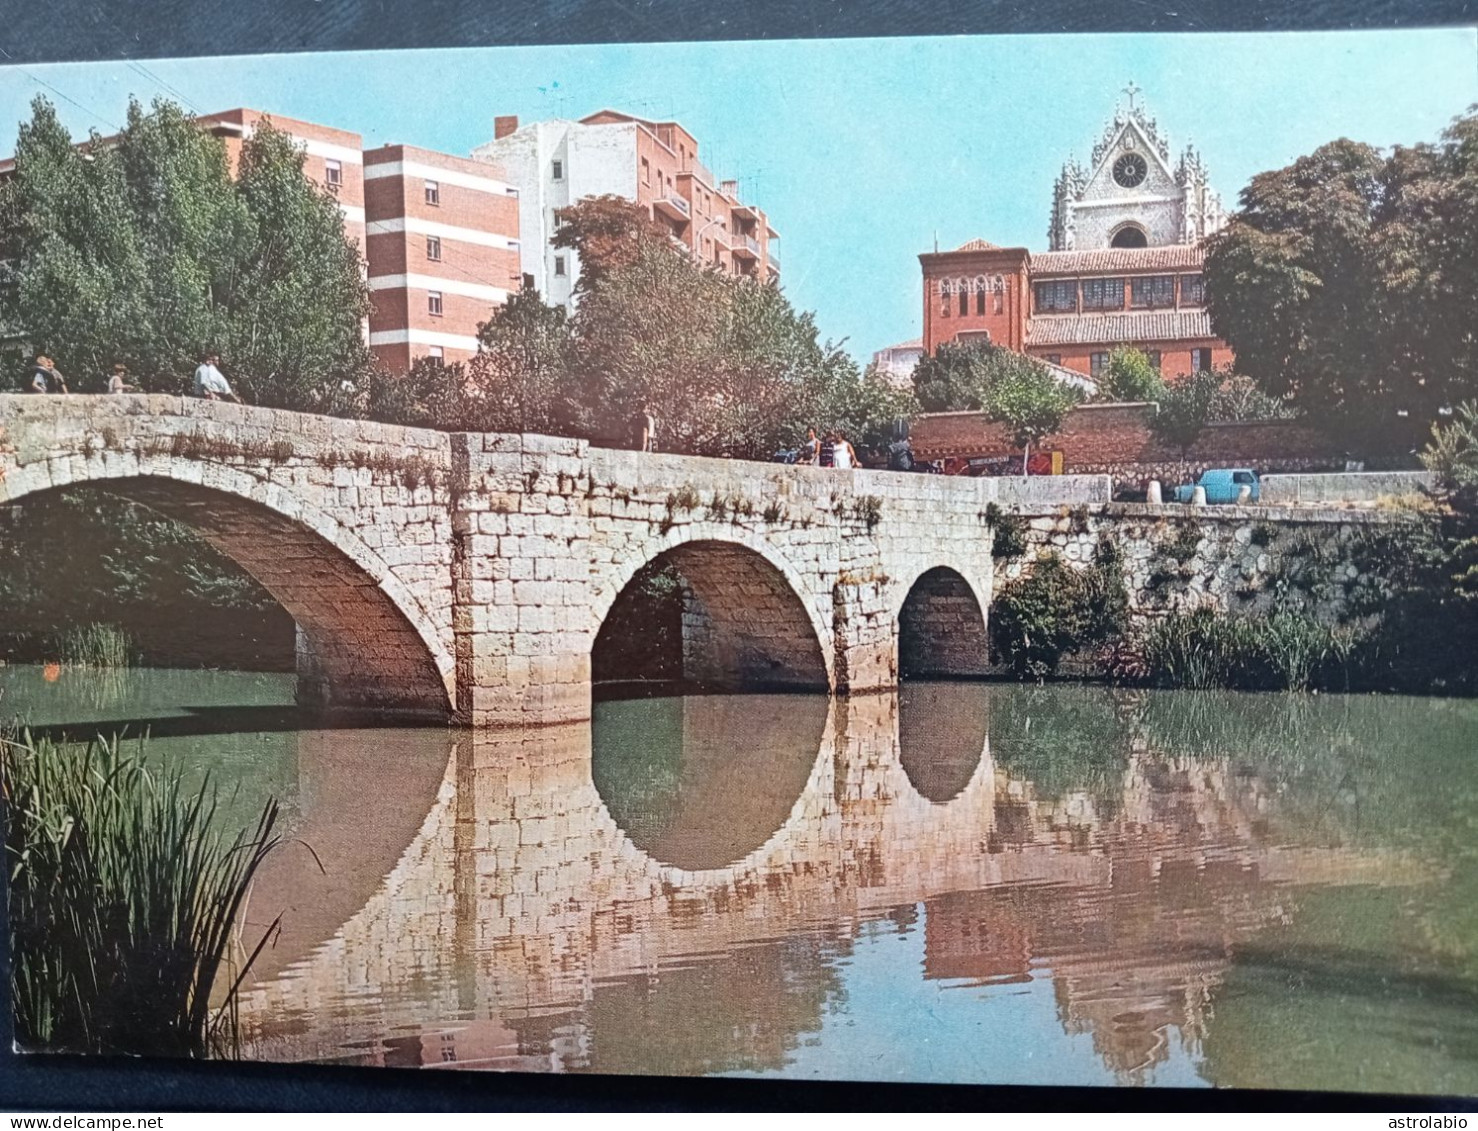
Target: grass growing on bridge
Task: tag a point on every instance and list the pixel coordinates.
(124, 891)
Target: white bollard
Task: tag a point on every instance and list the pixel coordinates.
(1244, 494)
(1198, 496)
(1152, 492)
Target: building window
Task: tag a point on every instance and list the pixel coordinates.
(559, 265)
(435, 356)
(646, 171)
(1192, 290)
(1098, 364)
(979, 302)
(333, 174)
(1059, 295)
(433, 303)
(433, 192)
(964, 302)
(1154, 358)
(433, 248)
(944, 297)
(1053, 359)
(1103, 294)
(559, 170)
(1153, 290)
(1201, 361)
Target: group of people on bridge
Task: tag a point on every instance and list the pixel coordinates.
(830, 450)
(209, 382)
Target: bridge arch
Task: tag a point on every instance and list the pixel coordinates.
(941, 627)
(736, 618)
(368, 641)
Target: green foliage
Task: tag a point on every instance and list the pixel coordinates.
(519, 378)
(1030, 402)
(1452, 457)
(146, 251)
(123, 894)
(1347, 283)
(1281, 652)
(959, 377)
(1130, 377)
(1010, 533)
(1056, 610)
(1237, 398)
(1185, 410)
(1182, 548)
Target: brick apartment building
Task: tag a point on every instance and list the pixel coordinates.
(1123, 268)
(442, 248)
(556, 163)
(439, 234)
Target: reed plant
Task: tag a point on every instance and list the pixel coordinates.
(94, 646)
(1281, 652)
(124, 895)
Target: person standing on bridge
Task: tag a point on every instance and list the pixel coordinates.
(844, 455)
(826, 452)
(210, 382)
(810, 453)
(44, 376)
(118, 380)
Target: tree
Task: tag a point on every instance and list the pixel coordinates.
(1032, 403)
(1130, 377)
(959, 377)
(1185, 410)
(143, 250)
(520, 379)
(1346, 284)
(725, 364)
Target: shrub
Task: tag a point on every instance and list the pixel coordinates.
(1056, 610)
(1010, 533)
(123, 895)
(1130, 377)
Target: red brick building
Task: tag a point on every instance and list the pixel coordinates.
(442, 248)
(1127, 245)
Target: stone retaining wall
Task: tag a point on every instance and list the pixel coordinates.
(1244, 560)
(1342, 487)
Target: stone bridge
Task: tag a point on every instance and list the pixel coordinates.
(469, 575)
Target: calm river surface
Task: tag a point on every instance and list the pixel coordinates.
(963, 882)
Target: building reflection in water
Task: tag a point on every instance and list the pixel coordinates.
(684, 893)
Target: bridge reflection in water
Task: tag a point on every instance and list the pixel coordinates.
(683, 890)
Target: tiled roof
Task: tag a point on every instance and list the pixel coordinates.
(911, 344)
(1174, 257)
(1109, 329)
(979, 245)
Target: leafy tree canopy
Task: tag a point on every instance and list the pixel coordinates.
(1031, 403)
(1130, 377)
(1347, 283)
(958, 377)
(143, 249)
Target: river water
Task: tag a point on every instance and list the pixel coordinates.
(960, 883)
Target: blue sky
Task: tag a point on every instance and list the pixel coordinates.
(863, 151)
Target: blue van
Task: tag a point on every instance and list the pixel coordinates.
(1223, 484)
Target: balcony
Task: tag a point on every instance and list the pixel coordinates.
(747, 212)
(746, 247)
(673, 206)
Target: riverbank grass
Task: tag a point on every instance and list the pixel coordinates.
(124, 892)
(94, 646)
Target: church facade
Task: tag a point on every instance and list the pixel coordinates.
(1123, 265)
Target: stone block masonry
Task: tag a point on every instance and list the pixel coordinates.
(1240, 560)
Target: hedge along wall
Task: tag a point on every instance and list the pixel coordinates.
(1115, 439)
(1242, 560)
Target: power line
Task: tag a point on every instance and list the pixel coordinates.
(140, 69)
(68, 98)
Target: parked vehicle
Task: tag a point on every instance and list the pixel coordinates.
(1223, 485)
